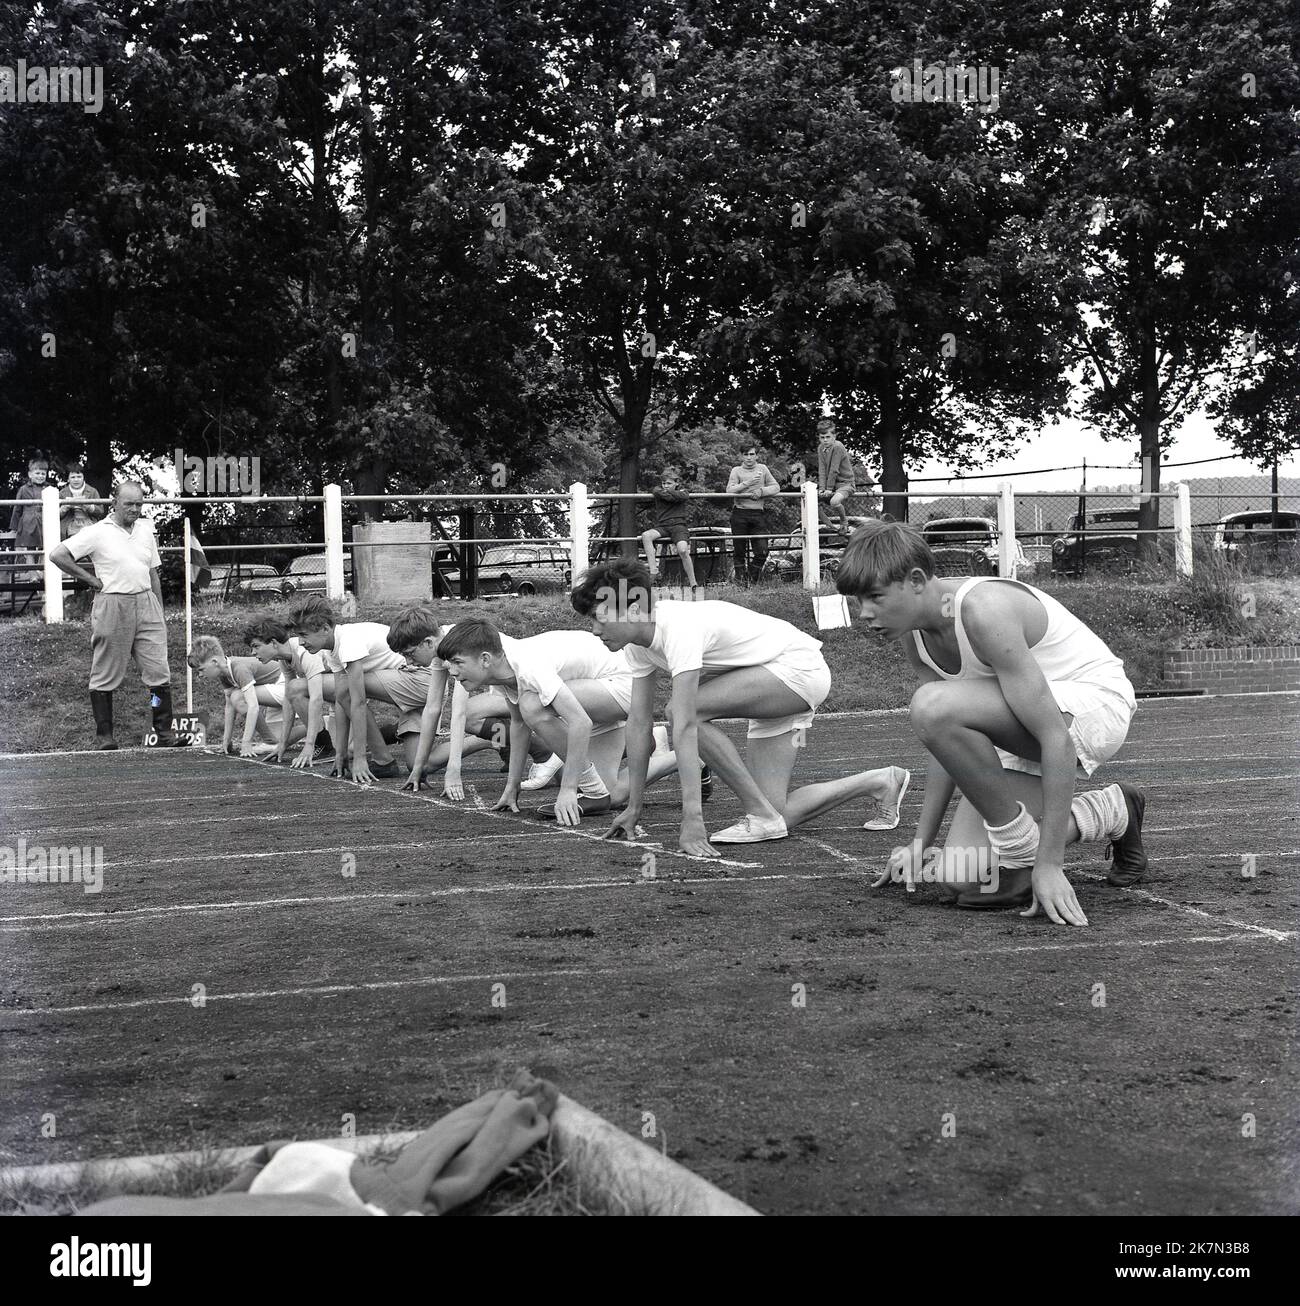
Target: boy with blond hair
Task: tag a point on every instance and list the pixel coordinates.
(1017, 695)
(249, 685)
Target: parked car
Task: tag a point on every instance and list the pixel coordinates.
(1107, 546)
(523, 568)
(968, 546)
(246, 580)
(1241, 532)
(307, 574)
(785, 552)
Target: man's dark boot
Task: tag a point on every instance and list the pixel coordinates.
(161, 702)
(101, 704)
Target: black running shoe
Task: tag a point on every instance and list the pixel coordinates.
(706, 783)
(1127, 856)
(587, 806)
(322, 753)
(385, 770)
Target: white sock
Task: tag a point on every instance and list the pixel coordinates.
(1015, 843)
(1100, 814)
(590, 785)
(661, 739)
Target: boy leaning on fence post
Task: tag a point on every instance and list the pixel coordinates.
(835, 478)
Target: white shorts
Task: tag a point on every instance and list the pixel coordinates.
(805, 671)
(1101, 719)
(408, 688)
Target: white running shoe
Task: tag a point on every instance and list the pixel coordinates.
(541, 774)
(891, 810)
(752, 829)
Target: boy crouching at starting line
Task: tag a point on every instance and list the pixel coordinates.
(415, 634)
(270, 641)
(1016, 692)
(725, 661)
(568, 689)
(252, 687)
(361, 666)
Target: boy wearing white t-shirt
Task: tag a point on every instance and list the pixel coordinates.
(304, 703)
(725, 661)
(565, 687)
(361, 667)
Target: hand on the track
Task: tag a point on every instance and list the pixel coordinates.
(361, 772)
(624, 826)
(903, 867)
(509, 800)
(567, 811)
(247, 750)
(338, 766)
(694, 839)
(303, 761)
(1054, 894)
(413, 781)
(452, 787)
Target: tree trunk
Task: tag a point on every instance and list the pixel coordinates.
(1149, 416)
(628, 470)
(893, 474)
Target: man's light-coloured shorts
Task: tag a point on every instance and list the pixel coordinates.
(408, 688)
(805, 671)
(1101, 720)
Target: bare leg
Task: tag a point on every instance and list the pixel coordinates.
(684, 553)
(772, 761)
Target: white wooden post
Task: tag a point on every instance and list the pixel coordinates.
(812, 538)
(189, 621)
(1007, 532)
(334, 587)
(1183, 530)
(579, 531)
(49, 541)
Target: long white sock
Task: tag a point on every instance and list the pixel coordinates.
(1100, 814)
(590, 785)
(1015, 843)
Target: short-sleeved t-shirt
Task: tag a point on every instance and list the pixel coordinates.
(542, 663)
(713, 636)
(122, 558)
(365, 642)
(251, 671)
(303, 662)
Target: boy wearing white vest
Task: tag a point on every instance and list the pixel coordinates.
(1016, 694)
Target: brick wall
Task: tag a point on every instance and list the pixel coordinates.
(1234, 670)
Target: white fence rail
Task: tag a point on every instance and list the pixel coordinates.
(578, 501)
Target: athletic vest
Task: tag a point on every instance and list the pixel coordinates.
(1068, 650)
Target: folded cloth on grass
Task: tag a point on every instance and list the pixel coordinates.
(449, 1164)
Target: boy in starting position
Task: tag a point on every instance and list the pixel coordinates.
(250, 686)
(1016, 692)
(361, 666)
(725, 661)
(270, 641)
(416, 634)
(568, 689)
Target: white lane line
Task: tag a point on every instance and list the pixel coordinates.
(230, 818)
(331, 990)
(548, 829)
(830, 849)
(1279, 936)
(309, 991)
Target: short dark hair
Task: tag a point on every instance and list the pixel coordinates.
(38, 460)
(825, 421)
(624, 578)
(474, 636)
(265, 630)
(312, 612)
(412, 626)
(880, 553)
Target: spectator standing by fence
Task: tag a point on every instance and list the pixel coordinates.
(25, 519)
(751, 485)
(74, 512)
